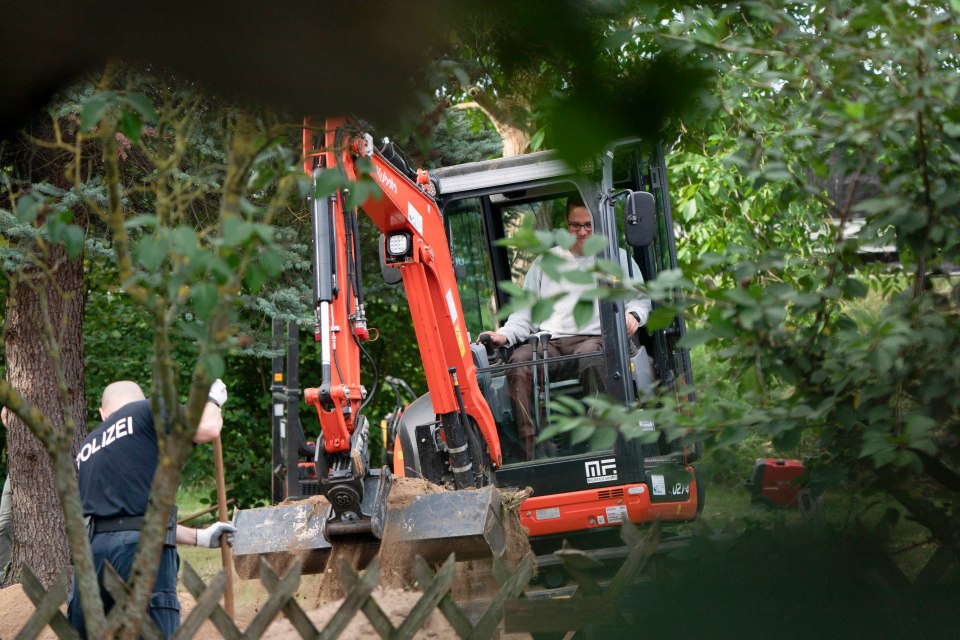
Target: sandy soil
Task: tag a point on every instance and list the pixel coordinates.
(16, 609)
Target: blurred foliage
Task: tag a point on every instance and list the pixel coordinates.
(828, 118)
(3, 374)
(826, 135)
(183, 237)
(570, 76)
(445, 136)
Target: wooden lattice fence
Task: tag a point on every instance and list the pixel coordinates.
(592, 606)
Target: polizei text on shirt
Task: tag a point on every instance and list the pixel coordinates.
(122, 427)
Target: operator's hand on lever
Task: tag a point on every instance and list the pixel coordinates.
(496, 339)
(210, 537)
(633, 323)
(492, 341)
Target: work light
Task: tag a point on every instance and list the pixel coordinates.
(398, 244)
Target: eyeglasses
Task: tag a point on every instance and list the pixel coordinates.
(575, 227)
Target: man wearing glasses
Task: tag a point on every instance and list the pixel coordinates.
(566, 338)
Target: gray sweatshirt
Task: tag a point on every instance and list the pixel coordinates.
(561, 323)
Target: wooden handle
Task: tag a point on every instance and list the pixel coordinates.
(225, 551)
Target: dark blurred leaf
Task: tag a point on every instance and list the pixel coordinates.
(93, 111)
(73, 239)
(142, 105)
(205, 297)
(131, 125)
(151, 252)
(660, 318)
(583, 312)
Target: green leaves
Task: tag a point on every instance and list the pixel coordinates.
(61, 230)
(205, 297)
(93, 111)
(28, 206)
(327, 182)
(660, 318)
(594, 244)
(583, 312)
(41, 218)
(151, 252)
(133, 110)
(825, 114)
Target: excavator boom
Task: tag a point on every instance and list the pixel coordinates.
(355, 503)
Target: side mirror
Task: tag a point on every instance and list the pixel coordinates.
(391, 275)
(640, 218)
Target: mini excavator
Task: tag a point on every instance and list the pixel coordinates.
(440, 238)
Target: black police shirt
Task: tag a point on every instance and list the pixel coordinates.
(117, 461)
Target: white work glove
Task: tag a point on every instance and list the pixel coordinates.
(210, 537)
(218, 392)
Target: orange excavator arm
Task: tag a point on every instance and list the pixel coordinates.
(416, 244)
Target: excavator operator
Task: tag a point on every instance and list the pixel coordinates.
(565, 337)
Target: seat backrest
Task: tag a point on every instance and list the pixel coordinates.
(482, 362)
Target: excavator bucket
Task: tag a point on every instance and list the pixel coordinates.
(281, 534)
(467, 523)
(433, 525)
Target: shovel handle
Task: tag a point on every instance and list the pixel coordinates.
(225, 552)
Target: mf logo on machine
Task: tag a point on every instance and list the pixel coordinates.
(602, 470)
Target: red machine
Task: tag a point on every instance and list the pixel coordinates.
(357, 495)
(455, 434)
(777, 482)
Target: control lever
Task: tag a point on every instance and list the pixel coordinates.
(487, 343)
(534, 342)
(544, 342)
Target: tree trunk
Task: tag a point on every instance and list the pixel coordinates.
(44, 350)
(515, 142)
(511, 124)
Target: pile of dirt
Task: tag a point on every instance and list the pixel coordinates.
(396, 562)
(474, 578)
(329, 585)
(518, 544)
(405, 490)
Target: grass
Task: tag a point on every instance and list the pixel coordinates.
(207, 563)
(191, 500)
(248, 595)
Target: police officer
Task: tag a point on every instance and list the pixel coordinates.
(115, 469)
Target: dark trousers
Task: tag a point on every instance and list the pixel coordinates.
(520, 380)
(119, 547)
